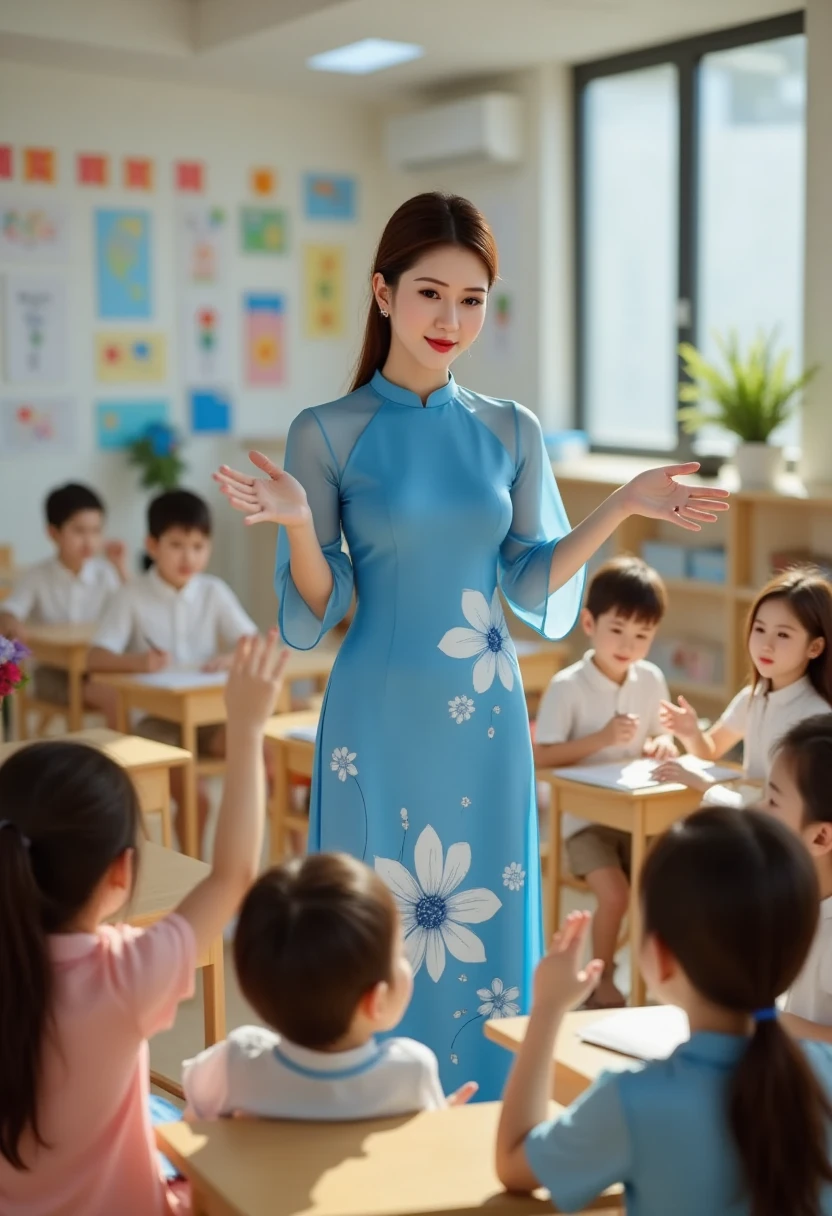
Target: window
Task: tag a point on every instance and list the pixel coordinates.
(690, 191)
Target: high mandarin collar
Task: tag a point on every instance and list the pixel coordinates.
(403, 396)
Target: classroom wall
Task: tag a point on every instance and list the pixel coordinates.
(230, 133)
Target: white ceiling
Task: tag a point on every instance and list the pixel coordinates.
(262, 45)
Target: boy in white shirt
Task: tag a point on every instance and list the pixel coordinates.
(798, 794)
(71, 588)
(605, 708)
(319, 955)
(174, 616)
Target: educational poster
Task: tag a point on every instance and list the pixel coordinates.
(329, 198)
(263, 182)
(205, 340)
(323, 291)
(203, 237)
(33, 232)
(28, 427)
(138, 173)
(264, 330)
(120, 423)
(263, 230)
(92, 169)
(35, 334)
(40, 165)
(122, 253)
(125, 357)
(210, 411)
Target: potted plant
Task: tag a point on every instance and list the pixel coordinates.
(156, 453)
(751, 399)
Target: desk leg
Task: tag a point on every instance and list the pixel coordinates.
(122, 712)
(555, 850)
(167, 834)
(279, 803)
(76, 692)
(213, 994)
(638, 990)
(188, 813)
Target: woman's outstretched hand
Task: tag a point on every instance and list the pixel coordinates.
(657, 495)
(276, 498)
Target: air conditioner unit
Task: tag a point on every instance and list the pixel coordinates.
(486, 129)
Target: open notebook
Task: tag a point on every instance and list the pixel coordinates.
(638, 774)
(651, 1033)
(176, 679)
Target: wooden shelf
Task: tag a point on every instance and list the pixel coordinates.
(694, 586)
(746, 595)
(692, 690)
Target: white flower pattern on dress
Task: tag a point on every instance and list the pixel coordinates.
(461, 709)
(434, 913)
(498, 1001)
(487, 641)
(514, 876)
(465, 802)
(342, 763)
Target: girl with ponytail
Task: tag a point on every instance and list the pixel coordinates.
(737, 1121)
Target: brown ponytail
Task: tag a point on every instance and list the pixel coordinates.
(67, 813)
(734, 897)
(420, 225)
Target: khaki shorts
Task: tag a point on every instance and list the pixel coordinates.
(164, 731)
(596, 848)
(51, 684)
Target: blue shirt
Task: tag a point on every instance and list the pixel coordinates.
(662, 1131)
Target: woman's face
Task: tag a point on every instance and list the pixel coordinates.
(438, 306)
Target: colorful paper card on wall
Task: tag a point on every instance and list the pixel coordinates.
(122, 246)
(33, 232)
(263, 182)
(203, 234)
(138, 173)
(323, 291)
(35, 329)
(210, 412)
(329, 198)
(93, 169)
(40, 165)
(265, 338)
(129, 358)
(205, 340)
(119, 423)
(6, 162)
(189, 176)
(263, 230)
(28, 427)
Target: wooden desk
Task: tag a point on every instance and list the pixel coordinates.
(164, 879)
(240, 1167)
(64, 646)
(148, 763)
(538, 662)
(643, 813)
(289, 757)
(315, 665)
(577, 1064)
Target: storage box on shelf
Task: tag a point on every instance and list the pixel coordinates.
(762, 528)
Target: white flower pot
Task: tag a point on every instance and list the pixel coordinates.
(758, 465)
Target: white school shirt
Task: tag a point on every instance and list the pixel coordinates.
(193, 625)
(580, 700)
(257, 1072)
(764, 717)
(50, 594)
(810, 996)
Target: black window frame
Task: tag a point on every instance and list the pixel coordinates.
(686, 55)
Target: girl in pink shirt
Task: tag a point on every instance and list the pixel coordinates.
(79, 998)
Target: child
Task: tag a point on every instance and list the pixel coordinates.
(174, 615)
(606, 707)
(798, 794)
(737, 1120)
(70, 588)
(320, 956)
(789, 639)
(78, 997)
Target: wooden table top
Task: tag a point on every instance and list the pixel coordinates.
(281, 725)
(60, 635)
(275, 1168)
(131, 751)
(554, 777)
(165, 878)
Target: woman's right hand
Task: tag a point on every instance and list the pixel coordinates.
(278, 498)
(680, 720)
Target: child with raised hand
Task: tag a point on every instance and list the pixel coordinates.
(789, 639)
(319, 955)
(79, 997)
(737, 1120)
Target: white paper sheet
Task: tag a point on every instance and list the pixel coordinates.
(308, 733)
(651, 1033)
(638, 774)
(174, 680)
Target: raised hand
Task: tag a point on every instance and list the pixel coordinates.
(657, 495)
(559, 981)
(276, 498)
(254, 681)
(680, 720)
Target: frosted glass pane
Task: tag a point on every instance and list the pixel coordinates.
(631, 260)
(751, 195)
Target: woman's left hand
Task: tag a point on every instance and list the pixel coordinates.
(657, 495)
